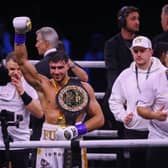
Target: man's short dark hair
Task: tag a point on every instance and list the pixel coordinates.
(58, 56)
(123, 13)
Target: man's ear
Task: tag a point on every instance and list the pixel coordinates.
(152, 51)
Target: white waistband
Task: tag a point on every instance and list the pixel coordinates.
(50, 126)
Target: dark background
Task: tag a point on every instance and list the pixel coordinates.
(77, 20)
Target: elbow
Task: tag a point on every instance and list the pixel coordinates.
(38, 113)
(142, 112)
(41, 114)
(101, 121)
(139, 111)
(84, 77)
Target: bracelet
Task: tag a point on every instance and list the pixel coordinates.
(81, 129)
(26, 98)
(20, 38)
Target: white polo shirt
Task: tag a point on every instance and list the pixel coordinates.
(11, 101)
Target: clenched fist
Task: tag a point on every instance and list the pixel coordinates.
(22, 24)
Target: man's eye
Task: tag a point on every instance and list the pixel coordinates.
(53, 67)
(135, 51)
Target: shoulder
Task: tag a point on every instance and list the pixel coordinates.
(125, 73)
(124, 76)
(29, 89)
(50, 54)
(41, 62)
(112, 40)
(158, 78)
(161, 37)
(88, 87)
(42, 66)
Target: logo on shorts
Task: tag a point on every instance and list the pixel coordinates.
(44, 164)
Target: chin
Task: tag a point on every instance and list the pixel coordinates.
(58, 80)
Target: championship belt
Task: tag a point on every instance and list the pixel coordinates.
(72, 99)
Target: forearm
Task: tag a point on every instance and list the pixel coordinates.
(117, 105)
(80, 73)
(95, 122)
(146, 113)
(35, 108)
(31, 105)
(20, 53)
(119, 114)
(96, 116)
(22, 25)
(80, 128)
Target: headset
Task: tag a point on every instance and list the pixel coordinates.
(123, 13)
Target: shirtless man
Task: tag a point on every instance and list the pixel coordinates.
(60, 124)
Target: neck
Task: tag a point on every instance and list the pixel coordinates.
(64, 81)
(144, 66)
(127, 35)
(60, 84)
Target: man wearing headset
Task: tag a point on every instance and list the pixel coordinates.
(118, 56)
(125, 92)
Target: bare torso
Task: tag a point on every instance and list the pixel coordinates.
(53, 114)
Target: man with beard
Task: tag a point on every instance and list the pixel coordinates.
(64, 119)
(118, 56)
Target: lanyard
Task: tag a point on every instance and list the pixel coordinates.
(147, 75)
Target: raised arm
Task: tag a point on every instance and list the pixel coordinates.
(22, 25)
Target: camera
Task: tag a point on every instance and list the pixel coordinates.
(9, 116)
